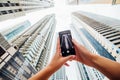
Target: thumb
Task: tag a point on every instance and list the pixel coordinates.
(71, 57)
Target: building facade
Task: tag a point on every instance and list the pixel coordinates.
(13, 66)
(100, 35)
(78, 2)
(105, 30)
(59, 75)
(25, 50)
(16, 8)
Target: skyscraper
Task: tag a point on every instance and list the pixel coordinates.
(25, 50)
(12, 63)
(100, 35)
(16, 8)
(60, 74)
(78, 2)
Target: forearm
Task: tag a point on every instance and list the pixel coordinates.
(107, 67)
(44, 74)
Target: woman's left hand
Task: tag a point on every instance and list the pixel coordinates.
(57, 60)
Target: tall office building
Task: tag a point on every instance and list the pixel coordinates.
(59, 75)
(78, 2)
(13, 66)
(36, 48)
(100, 35)
(25, 49)
(16, 8)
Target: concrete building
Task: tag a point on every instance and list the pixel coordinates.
(59, 75)
(13, 66)
(24, 50)
(105, 31)
(100, 35)
(78, 2)
(16, 8)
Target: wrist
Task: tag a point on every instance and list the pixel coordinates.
(52, 68)
(49, 70)
(94, 60)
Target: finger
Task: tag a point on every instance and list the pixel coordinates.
(60, 54)
(58, 50)
(71, 57)
(75, 57)
(74, 42)
(66, 64)
(57, 43)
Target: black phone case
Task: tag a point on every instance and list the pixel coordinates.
(67, 47)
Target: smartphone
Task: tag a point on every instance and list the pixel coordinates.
(67, 47)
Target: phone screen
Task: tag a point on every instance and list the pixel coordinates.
(67, 47)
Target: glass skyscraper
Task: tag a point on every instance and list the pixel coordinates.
(16, 8)
(25, 49)
(94, 32)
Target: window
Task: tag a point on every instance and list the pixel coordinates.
(2, 51)
(16, 10)
(103, 29)
(110, 33)
(118, 51)
(117, 43)
(3, 12)
(1, 5)
(12, 4)
(98, 27)
(8, 1)
(113, 36)
(115, 39)
(20, 10)
(17, 4)
(6, 4)
(107, 31)
(10, 11)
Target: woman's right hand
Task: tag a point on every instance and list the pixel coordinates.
(106, 66)
(82, 54)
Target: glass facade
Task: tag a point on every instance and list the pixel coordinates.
(86, 72)
(97, 46)
(104, 30)
(20, 28)
(59, 75)
(98, 34)
(13, 65)
(30, 49)
(16, 8)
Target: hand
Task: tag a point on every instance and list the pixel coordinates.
(82, 54)
(57, 61)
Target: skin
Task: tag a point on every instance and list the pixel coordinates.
(56, 63)
(108, 67)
